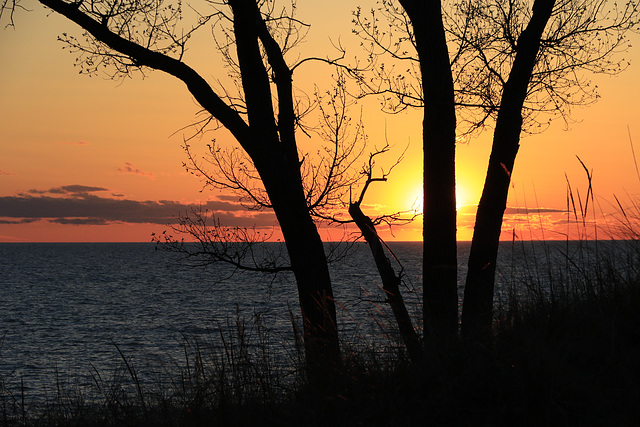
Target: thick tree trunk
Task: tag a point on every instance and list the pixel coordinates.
(477, 315)
(440, 278)
(390, 283)
(439, 124)
(274, 152)
(308, 261)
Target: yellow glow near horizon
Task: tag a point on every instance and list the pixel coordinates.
(415, 198)
(60, 129)
(462, 196)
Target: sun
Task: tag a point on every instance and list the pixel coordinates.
(415, 199)
(462, 196)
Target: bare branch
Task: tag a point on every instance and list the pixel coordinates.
(212, 243)
(10, 7)
(583, 37)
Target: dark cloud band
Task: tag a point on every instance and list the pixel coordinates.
(80, 207)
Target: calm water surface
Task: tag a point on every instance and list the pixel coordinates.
(65, 306)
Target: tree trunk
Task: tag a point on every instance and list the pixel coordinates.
(390, 283)
(477, 315)
(274, 152)
(439, 124)
(308, 262)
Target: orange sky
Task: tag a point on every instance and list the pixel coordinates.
(90, 159)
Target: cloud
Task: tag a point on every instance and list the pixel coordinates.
(19, 221)
(78, 206)
(531, 211)
(512, 210)
(129, 168)
(74, 190)
(228, 197)
(81, 189)
(80, 221)
(3, 172)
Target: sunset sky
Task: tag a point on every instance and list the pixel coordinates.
(92, 159)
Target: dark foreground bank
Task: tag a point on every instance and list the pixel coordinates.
(565, 351)
(570, 360)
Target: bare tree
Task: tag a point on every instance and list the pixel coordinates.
(391, 280)
(532, 57)
(414, 36)
(327, 167)
(516, 64)
(327, 182)
(137, 35)
(329, 176)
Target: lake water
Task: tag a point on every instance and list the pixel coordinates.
(64, 307)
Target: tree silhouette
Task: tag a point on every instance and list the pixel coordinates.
(391, 280)
(134, 35)
(513, 64)
(532, 57)
(413, 33)
(505, 64)
(439, 269)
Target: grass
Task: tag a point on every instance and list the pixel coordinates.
(567, 357)
(573, 349)
(232, 381)
(566, 351)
